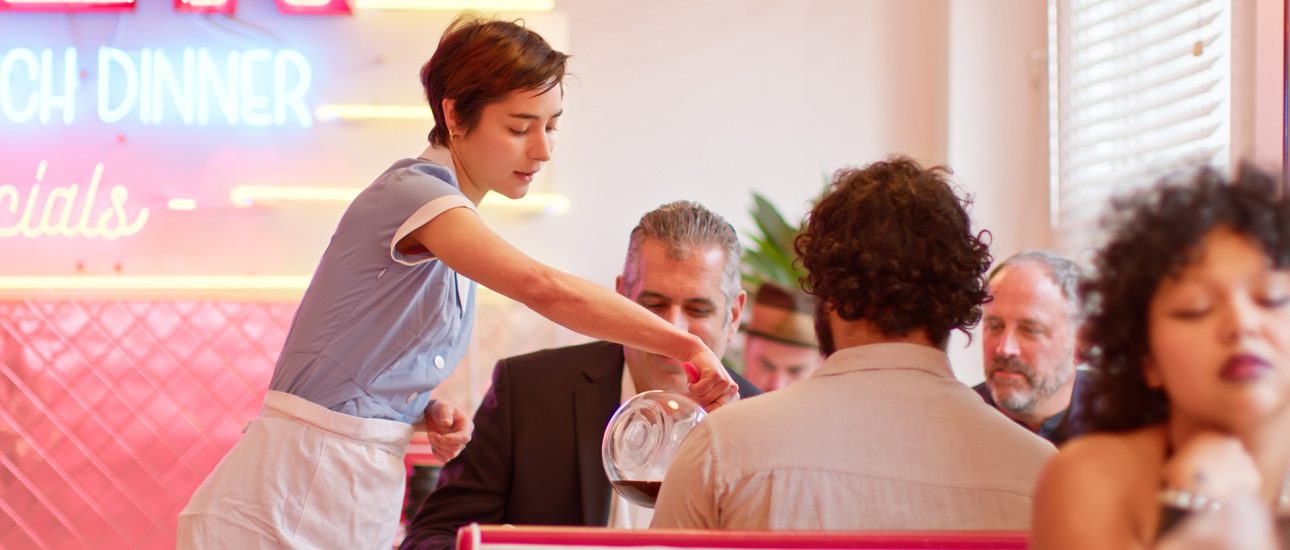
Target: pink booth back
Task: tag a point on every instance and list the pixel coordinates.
(493, 537)
(112, 412)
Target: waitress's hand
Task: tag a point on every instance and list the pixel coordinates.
(713, 387)
(447, 428)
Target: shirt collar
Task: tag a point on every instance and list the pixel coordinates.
(1057, 426)
(629, 385)
(894, 356)
(1050, 426)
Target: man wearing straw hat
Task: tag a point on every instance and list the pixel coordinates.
(780, 347)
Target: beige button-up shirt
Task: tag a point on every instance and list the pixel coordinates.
(881, 437)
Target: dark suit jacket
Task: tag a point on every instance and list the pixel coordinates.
(535, 455)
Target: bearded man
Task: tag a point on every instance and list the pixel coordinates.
(1031, 328)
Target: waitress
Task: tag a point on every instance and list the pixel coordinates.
(390, 308)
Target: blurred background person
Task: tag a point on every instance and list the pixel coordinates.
(1190, 343)
(780, 345)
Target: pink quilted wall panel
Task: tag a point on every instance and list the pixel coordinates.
(114, 412)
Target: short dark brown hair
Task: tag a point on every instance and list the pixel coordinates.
(892, 244)
(479, 61)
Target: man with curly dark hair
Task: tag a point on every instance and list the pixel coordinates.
(881, 436)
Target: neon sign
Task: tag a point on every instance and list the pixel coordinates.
(226, 7)
(43, 98)
(314, 7)
(256, 87)
(291, 7)
(67, 6)
(58, 213)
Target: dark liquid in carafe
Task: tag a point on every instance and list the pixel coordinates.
(643, 493)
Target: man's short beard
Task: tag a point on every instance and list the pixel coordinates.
(1022, 401)
(1016, 400)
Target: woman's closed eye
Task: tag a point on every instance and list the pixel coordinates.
(1189, 311)
(1190, 307)
(1274, 291)
(1275, 300)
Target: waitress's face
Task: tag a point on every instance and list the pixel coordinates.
(1219, 335)
(509, 144)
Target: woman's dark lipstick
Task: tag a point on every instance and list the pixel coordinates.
(1244, 367)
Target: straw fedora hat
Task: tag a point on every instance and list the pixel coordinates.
(785, 315)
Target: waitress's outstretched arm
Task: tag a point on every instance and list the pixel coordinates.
(460, 239)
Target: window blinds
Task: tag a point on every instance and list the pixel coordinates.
(1138, 89)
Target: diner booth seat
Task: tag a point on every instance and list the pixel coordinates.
(505, 537)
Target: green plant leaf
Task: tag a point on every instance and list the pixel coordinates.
(759, 267)
(771, 256)
(779, 262)
(772, 224)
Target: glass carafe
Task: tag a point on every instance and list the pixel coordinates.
(641, 440)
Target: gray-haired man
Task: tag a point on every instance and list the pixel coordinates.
(1031, 328)
(535, 455)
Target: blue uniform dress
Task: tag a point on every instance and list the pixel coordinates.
(377, 329)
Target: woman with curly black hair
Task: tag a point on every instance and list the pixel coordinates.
(1189, 333)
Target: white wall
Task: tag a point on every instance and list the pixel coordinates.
(712, 100)
(998, 130)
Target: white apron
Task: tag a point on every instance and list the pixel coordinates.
(302, 476)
